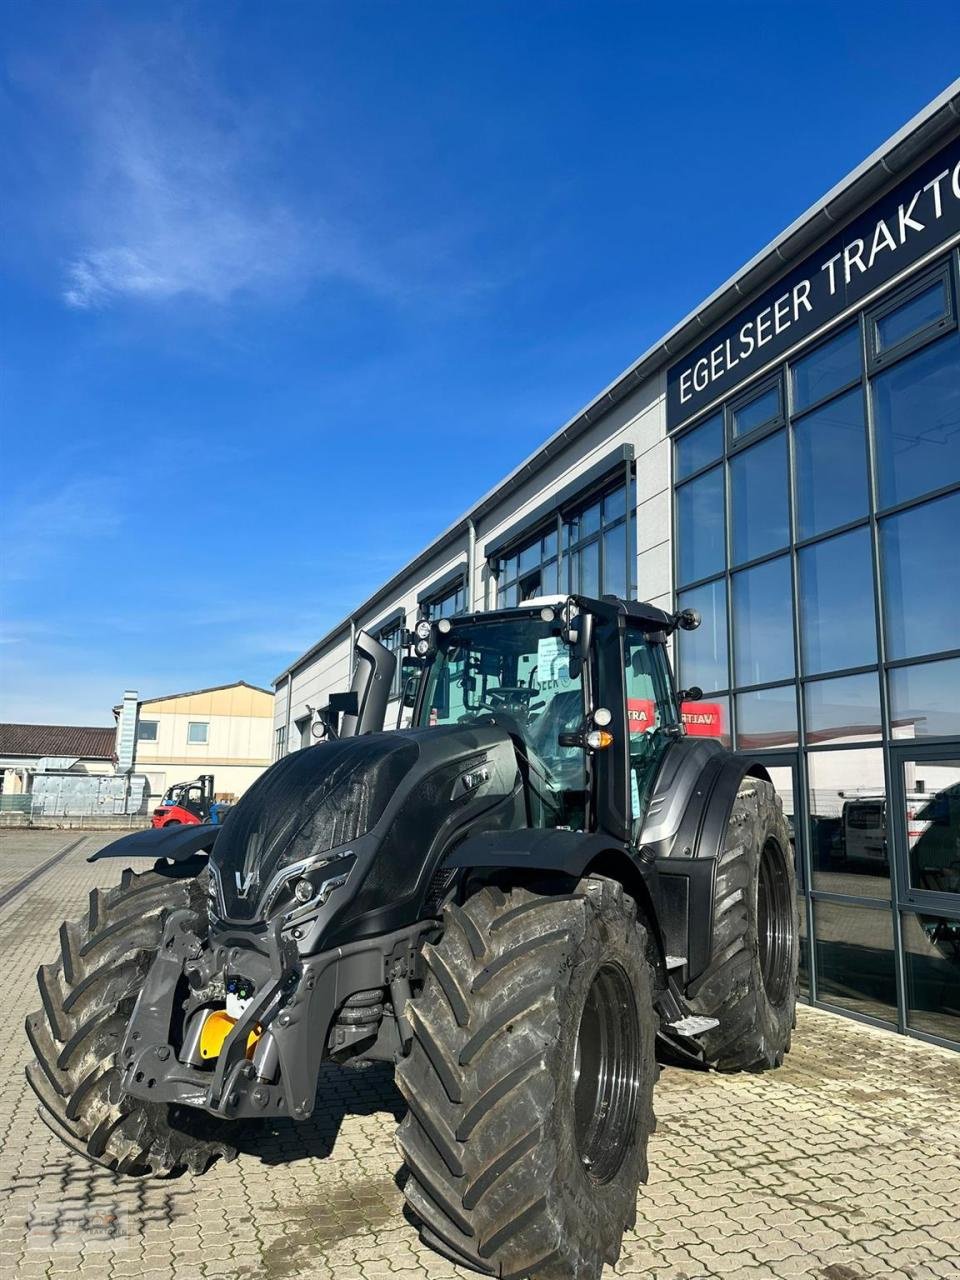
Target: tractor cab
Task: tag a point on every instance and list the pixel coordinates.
(584, 689)
(186, 803)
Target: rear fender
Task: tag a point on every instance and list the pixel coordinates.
(178, 843)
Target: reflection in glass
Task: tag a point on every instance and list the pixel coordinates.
(845, 708)
(615, 562)
(931, 945)
(932, 799)
(700, 531)
(758, 412)
(911, 317)
(837, 624)
(763, 623)
(803, 976)
(917, 422)
(827, 369)
(782, 776)
(758, 497)
(767, 718)
(849, 849)
(855, 967)
(925, 700)
(699, 447)
(703, 653)
(707, 718)
(831, 461)
(921, 578)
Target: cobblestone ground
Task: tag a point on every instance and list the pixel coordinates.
(844, 1165)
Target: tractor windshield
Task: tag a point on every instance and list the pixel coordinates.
(516, 671)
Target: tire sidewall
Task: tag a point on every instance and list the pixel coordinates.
(611, 936)
(776, 1018)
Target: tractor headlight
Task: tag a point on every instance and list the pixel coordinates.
(304, 890)
(444, 626)
(423, 630)
(422, 648)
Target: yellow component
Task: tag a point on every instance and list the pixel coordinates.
(216, 1027)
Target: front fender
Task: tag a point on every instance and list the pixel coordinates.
(566, 852)
(178, 843)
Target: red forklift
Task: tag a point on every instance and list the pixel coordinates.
(189, 802)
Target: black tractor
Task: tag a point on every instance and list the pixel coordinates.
(517, 901)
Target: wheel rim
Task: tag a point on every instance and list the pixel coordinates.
(774, 922)
(606, 1073)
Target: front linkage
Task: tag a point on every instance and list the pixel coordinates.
(266, 1061)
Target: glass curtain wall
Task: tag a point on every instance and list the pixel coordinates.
(815, 526)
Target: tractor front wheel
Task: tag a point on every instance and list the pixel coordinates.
(87, 997)
(530, 1081)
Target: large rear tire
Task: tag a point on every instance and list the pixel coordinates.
(530, 1081)
(750, 984)
(87, 998)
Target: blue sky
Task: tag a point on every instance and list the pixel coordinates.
(286, 286)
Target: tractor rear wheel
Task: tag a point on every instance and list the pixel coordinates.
(750, 984)
(530, 1081)
(87, 998)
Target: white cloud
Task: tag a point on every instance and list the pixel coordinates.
(176, 193)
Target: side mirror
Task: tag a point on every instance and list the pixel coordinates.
(410, 669)
(688, 620)
(693, 694)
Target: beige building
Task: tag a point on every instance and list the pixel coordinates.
(225, 731)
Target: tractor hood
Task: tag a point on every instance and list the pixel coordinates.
(369, 813)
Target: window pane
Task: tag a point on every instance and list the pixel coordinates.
(697, 448)
(831, 462)
(837, 623)
(197, 732)
(763, 623)
(147, 731)
(700, 530)
(931, 947)
(530, 556)
(507, 596)
(589, 520)
(550, 544)
(708, 718)
(840, 709)
(855, 959)
(767, 718)
(615, 561)
(917, 412)
(758, 494)
(756, 413)
(703, 653)
(848, 822)
(827, 369)
(615, 505)
(906, 320)
(932, 797)
(589, 565)
(925, 699)
(921, 579)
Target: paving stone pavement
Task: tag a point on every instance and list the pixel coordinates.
(843, 1165)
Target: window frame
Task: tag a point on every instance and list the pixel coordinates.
(198, 724)
(877, 359)
(731, 407)
(945, 904)
(154, 724)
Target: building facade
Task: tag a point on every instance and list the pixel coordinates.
(787, 461)
(225, 731)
